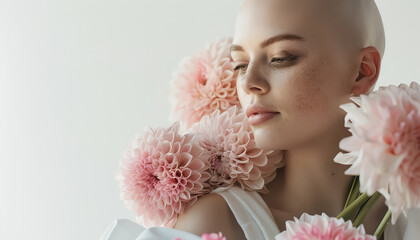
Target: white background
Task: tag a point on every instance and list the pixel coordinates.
(78, 78)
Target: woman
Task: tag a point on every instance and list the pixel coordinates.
(297, 61)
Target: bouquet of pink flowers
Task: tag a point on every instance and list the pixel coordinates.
(165, 170)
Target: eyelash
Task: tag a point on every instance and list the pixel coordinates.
(275, 60)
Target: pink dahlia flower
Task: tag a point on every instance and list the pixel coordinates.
(232, 151)
(322, 227)
(161, 175)
(209, 236)
(384, 148)
(204, 83)
(213, 236)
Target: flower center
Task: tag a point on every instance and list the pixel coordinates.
(154, 179)
(216, 162)
(202, 78)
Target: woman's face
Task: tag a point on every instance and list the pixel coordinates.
(298, 78)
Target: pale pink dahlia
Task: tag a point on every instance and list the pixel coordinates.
(232, 151)
(209, 236)
(161, 175)
(384, 148)
(213, 236)
(322, 227)
(204, 83)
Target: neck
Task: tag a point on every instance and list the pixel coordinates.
(310, 181)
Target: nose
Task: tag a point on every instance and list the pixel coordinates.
(255, 81)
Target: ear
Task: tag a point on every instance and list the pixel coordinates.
(368, 71)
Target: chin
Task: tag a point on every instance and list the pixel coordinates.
(267, 140)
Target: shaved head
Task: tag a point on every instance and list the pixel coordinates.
(357, 23)
(362, 19)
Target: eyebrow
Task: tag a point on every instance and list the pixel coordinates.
(265, 43)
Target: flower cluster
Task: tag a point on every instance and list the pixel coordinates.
(164, 171)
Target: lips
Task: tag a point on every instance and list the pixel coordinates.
(258, 114)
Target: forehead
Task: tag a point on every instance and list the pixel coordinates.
(261, 19)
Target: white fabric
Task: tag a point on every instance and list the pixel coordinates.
(251, 212)
(124, 229)
(255, 218)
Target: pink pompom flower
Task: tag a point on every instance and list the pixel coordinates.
(209, 236)
(384, 148)
(316, 227)
(204, 83)
(232, 151)
(161, 175)
(213, 236)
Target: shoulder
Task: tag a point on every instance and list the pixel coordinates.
(210, 214)
(205, 206)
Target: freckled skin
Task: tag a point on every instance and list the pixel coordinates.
(310, 99)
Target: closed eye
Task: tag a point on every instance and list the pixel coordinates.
(289, 58)
(241, 66)
(280, 60)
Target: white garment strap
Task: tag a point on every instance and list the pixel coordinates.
(251, 212)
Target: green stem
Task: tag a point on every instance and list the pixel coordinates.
(345, 214)
(382, 225)
(354, 191)
(365, 209)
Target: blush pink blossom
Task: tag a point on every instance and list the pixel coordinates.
(209, 236)
(161, 175)
(232, 151)
(204, 83)
(213, 236)
(384, 148)
(322, 227)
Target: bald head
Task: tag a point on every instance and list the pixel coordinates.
(361, 18)
(356, 23)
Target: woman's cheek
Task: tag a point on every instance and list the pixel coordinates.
(307, 85)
